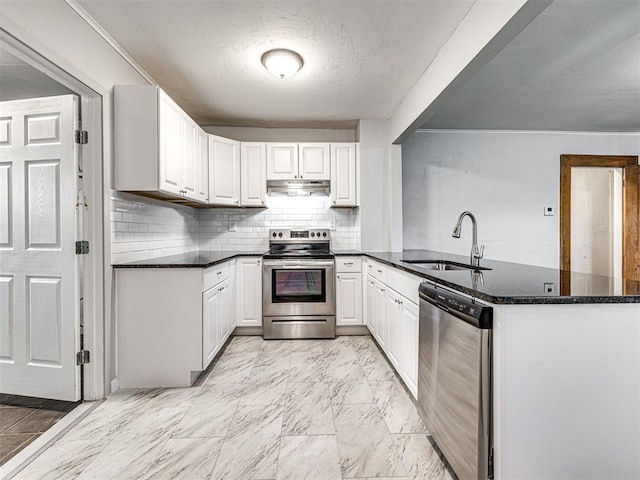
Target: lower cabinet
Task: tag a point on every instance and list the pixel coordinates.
(348, 299)
(392, 319)
(210, 321)
(249, 288)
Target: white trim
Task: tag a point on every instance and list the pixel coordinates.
(44, 441)
(109, 39)
(523, 132)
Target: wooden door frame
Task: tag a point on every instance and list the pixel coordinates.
(629, 164)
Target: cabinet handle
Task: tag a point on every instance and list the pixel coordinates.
(220, 272)
(300, 176)
(379, 271)
(338, 276)
(348, 264)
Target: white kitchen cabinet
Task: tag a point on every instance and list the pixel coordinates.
(314, 161)
(224, 171)
(249, 288)
(253, 174)
(282, 161)
(371, 307)
(393, 313)
(203, 166)
(155, 145)
(210, 322)
(224, 312)
(380, 314)
(348, 299)
(344, 180)
(409, 355)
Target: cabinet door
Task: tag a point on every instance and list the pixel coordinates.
(249, 288)
(343, 175)
(282, 161)
(253, 174)
(232, 297)
(314, 161)
(171, 132)
(394, 328)
(224, 171)
(410, 332)
(380, 315)
(203, 166)
(348, 299)
(190, 148)
(210, 320)
(371, 308)
(224, 323)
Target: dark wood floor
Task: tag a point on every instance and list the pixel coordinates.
(23, 419)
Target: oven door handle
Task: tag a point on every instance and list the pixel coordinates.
(301, 264)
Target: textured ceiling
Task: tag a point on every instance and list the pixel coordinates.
(361, 56)
(576, 67)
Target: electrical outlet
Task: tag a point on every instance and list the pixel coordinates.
(233, 226)
(549, 288)
(549, 211)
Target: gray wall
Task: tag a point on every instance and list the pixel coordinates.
(504, 178)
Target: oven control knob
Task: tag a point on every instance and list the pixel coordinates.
(280, 234)
(275, 234)
(313, 234)
(318, 233)
(324, 234)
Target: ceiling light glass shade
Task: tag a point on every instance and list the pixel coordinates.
(282, 63)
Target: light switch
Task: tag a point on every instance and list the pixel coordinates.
(549, 211)
(549, 288)
(233, 226)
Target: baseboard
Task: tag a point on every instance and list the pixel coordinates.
(242, 331)
(115, 386)
(352, 330)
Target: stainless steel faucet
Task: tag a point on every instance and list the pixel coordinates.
(476, 253)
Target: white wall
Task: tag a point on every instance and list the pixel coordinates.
(504, 178)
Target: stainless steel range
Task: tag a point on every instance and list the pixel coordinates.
(298, 293)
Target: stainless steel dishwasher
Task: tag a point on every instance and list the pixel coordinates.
(454, 379)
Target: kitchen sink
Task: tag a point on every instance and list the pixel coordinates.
(443, 265)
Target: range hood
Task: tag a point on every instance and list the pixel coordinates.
(298, 188)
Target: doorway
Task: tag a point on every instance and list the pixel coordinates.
(599, 219)
(48, 176)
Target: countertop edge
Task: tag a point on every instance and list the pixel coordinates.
(187, 265)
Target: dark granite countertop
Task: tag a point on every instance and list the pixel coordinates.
(504, 283)
(197, 259)
(512, 283)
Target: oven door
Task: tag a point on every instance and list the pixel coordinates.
(298, 287)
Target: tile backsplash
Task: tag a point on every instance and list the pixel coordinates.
(143, 228)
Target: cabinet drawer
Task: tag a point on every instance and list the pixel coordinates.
(214, 275)
(377, 270)
(348, 264)
(404, 283)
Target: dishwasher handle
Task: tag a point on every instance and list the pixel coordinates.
(466, 309)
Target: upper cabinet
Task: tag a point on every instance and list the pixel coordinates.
(156, 145)
(298, 161)
(224, 171)
(203, 166)
(344, 180)
(314, 163)
(253, 174)
(282, 161)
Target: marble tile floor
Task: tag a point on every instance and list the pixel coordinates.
(268, 410)
(23, 419)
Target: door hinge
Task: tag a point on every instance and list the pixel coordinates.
(82, 247)
(82, 137)
(83, 357)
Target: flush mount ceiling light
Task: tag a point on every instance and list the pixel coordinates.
(282, 63)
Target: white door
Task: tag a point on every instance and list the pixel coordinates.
(210, 320)
(348, 299)
(253, 174)
(343, 175)
(39, 289)
(249, 288)
(282, 161)
(170, 133)
(224, 171)
(314, 161)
